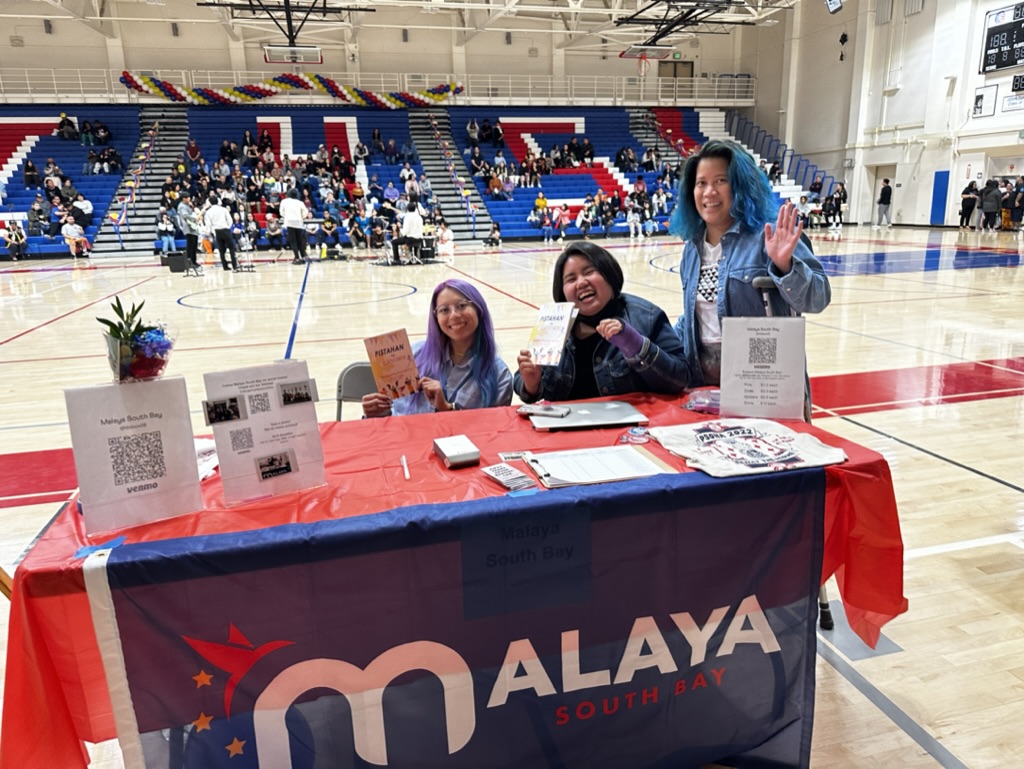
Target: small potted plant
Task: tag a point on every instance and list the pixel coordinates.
(136, 351)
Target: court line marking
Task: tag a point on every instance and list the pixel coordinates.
(295, 318)
(933, 454)
(890, 709)
(965, 544)
(72, 312)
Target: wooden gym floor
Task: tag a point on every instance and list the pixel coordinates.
(920, 357)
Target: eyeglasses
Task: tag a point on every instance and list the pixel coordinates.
(446, 309)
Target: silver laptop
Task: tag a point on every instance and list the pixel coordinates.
(591, 415)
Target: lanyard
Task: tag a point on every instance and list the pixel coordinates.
(451, 398)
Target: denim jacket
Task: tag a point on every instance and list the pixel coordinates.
(805, 288)
(659, 367)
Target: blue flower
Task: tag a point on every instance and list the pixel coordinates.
(153, 343)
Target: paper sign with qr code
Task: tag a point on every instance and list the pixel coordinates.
(134, 452)
(763, 368)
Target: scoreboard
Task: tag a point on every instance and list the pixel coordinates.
(1004, 39)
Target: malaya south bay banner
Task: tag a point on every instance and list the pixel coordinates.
(662, 622)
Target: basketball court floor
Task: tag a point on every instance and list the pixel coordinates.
(920, 357)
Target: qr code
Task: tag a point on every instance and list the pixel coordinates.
(241, 439)
(762, 350)
(259, 403)
(137, 458)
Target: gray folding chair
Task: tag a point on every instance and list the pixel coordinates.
(355, 381)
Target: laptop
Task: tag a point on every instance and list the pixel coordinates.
(591, 415)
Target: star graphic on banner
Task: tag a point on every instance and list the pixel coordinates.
(235, 657)
(234, 748)
(203, 679)
(203, 722)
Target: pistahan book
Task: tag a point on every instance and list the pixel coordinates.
(394, 368)
(547, 339)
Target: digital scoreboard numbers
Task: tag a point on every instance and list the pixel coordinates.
(1004, 39)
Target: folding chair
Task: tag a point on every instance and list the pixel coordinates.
(5, 583)
(766, 285)
(355, 381)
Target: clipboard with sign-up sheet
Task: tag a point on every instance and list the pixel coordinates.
(602, 464)
(589, 415)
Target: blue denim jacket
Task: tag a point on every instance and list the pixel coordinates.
(805, 288)
(659, 367)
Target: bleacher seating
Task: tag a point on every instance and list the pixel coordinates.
(606, 128)
(300, 131)
(26, 132)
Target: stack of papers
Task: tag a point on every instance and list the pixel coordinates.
(729, 447)
(547, 339)
(598, 465)
(509, 477)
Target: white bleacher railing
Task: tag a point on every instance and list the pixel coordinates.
(41, 86)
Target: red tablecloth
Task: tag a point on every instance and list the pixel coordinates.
(56, 693)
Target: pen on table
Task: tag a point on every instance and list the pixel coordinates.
(405, 467)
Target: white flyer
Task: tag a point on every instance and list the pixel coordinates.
(134, 452)
(727, 447)
(763, 368)
(265, 427)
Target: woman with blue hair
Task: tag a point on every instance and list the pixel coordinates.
(725, 212)
(458, 363)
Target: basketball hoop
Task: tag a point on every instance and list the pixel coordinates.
(643, 65)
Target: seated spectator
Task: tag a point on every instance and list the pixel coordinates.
(66, 128)
(329, 232)
(493, 238)
(30, 175)
(88, 134)
(618, 344)
(426, 191)
(376, 142)
(804, 209)
(540, 202)
(545, 226)
(391, 193)
(165, 231)
(58, 213)
(265, 141)
(14, 239)
(82, 210)
(359, 227)
(459, 363)
(815, 188)
(37, 219)
(391, 153)
(360, 154)
(274, 232)
(74, 237)
(634, 223)
(101, 133)
(445, 248)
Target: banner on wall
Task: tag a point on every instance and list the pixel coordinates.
(284, 83)
(669, 620)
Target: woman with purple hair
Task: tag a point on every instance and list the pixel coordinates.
(458, 362)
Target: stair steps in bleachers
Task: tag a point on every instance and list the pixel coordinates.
(434, 163)
(713, 125)
(137, 238)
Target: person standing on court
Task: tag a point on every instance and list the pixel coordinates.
(884, 201)
(725, 213)
(218, 219)
(293, 216)
(189, 224)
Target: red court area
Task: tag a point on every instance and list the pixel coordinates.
(35, 477)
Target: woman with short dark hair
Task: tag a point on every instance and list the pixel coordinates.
(619, 343)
